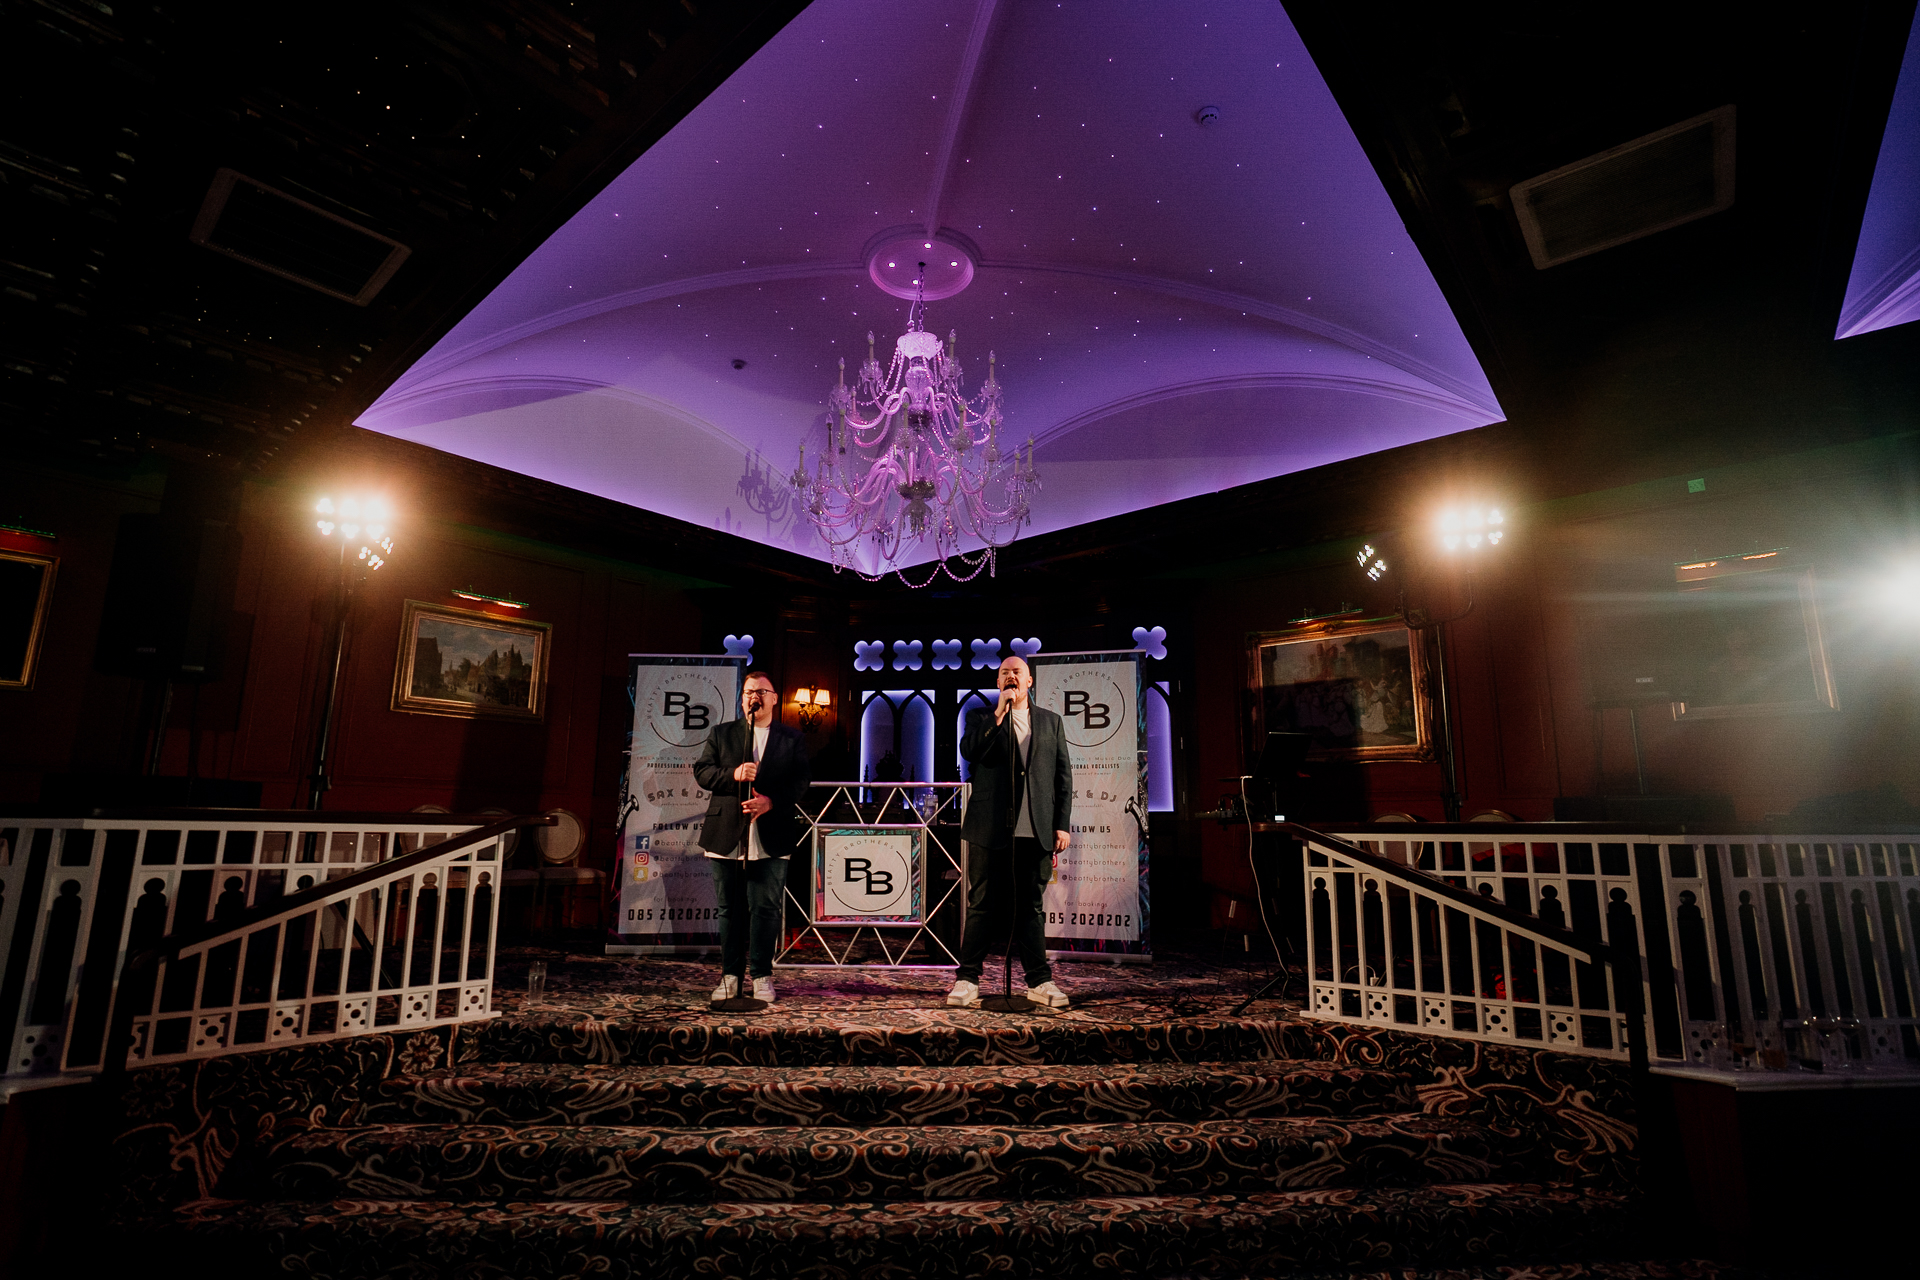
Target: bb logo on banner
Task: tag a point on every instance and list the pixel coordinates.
(665, 895)
(684, 707)
(1092, 704)
(1098, 885)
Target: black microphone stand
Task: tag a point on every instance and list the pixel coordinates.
(745, 788)
(1006, 1001)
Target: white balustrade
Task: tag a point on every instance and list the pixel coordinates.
(1457, 955)
(1758, 947)
(79, 895)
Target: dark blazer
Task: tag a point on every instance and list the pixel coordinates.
(783, 779)
(1049, 778)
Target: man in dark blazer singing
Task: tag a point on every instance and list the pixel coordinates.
(756, 771)
(1018, 817)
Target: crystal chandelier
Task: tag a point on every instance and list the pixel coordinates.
(913, 467)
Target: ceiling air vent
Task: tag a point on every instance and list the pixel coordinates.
(1681, 173)
(296, 241)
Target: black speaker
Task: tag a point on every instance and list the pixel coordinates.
(168, 596)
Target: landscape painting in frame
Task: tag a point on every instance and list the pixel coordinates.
(1360, 688)
(456, 662)
(26, 589)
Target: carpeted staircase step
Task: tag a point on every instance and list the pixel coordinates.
(959, 1038)
(493, 1162)
(1620, 1269)
(563, 1093)
(1317, 1231)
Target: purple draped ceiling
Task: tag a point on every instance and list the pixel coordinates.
(1176, 307)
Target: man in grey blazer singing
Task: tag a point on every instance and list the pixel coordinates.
(1018, 817)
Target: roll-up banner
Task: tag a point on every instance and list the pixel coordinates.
(663, 895)
(1097, 901)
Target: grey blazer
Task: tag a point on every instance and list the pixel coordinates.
(1049, 779)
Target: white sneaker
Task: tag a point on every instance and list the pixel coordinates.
(763, 989)
(1048, 994)
(728, 989)
(965, 995)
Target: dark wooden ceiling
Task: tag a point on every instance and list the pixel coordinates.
(1708, 344)
(469, 129)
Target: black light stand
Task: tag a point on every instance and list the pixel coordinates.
(343, 589)
(744, 1003)
(375, 548)
(1274, 781)
(1418, 620)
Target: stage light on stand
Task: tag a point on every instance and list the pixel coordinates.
(1470, 527)
(360, 526)
(1460, 534)
(1898, 590)
(376, 546)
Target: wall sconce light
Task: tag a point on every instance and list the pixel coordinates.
(811, 702)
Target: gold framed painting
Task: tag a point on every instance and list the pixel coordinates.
(1360, 688)
(1755, 643)
(460, 662)
(26, 594)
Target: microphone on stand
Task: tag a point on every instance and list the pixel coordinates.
(746, 788)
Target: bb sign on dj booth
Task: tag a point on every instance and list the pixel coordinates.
(868, 877)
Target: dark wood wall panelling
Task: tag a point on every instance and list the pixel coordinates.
(256, 722)
(1522, 662)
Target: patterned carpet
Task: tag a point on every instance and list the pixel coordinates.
(605, 987)
(861, 1130)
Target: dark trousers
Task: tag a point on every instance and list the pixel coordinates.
(749, 895)
(999, 880)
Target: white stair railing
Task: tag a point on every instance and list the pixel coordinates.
(1388, 944)
(408, 942)
(1759, 936)
(77, 891)
(1800, 947)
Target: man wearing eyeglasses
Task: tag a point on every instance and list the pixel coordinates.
(756, 770)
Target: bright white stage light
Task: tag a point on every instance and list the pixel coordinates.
(1469, 527)
(1898, 590)
(376, 543)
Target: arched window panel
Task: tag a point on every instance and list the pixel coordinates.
(1159, 749)
(896, 735)
(971, 700)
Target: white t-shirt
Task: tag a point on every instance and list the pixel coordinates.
(755, 850)
(1022, 719)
